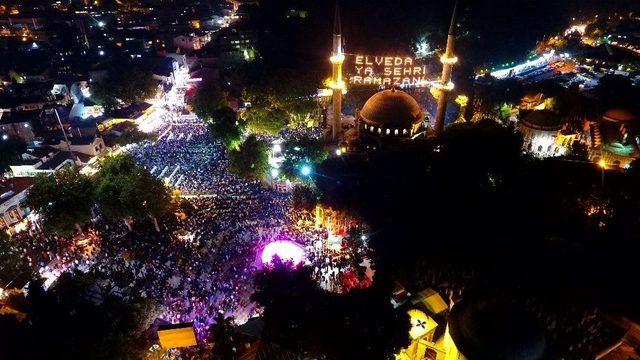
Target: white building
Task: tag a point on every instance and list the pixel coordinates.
(542, 133)
(13, 192)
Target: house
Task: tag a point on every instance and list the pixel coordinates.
(19, 124)
(13, 192)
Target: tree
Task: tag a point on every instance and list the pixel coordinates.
(283, 94)
(10, 151)
(63, 199)
(127, 191)
(13, 265)
(224, 125)
(298, 152)
(303, 198)
(265, 120)
(617, 91)
(134, 136)
(126, 83)
(208, 100)
(251, 160)
(300, 316)
(75, 320)
(223, 337)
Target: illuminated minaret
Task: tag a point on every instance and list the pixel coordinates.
(336, 83)
(448, 59)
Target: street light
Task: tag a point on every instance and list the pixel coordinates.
(305, 170)
(5, 136)
(603, 165)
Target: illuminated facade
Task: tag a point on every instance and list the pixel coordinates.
(387, 71)
(388, 116)
(543, 134)
(429, 332)
(334, 221)
(612, 139)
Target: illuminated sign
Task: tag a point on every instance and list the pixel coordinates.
(367, 70)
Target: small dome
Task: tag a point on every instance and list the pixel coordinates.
(619, 115)
(542, 120)
(392, 109)
(492, 329)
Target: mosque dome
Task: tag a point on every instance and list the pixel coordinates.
(493, 329)
(542, 120)
(392, 109)
(619, 115)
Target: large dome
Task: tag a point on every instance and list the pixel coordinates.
(485, 328)
(542, 120)
(619, 115)
(392, 109)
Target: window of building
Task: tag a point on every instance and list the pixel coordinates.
(388, 131)
(396, 132)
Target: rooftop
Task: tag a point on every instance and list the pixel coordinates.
(394, 109)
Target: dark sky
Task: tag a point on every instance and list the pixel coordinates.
(499, 28)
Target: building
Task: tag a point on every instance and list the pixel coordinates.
(428, 333)
(191, 41)
(613, 140)
(88, 145)
(18, 124)
(487, 328)
(43, 160)
(388, 116)
(544, 134)
(13, 193)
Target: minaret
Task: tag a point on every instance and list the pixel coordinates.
(336, 84)
(445, 86)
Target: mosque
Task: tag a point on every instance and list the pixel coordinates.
(389, 116)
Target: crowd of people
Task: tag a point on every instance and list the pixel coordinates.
(200, 264)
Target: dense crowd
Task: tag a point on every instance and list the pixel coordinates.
(200, 264)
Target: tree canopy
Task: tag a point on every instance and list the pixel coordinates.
(126, 82)
(208, 100)
(126, 190)
(487, 209)
(298, 152)
(251, 160)
(226, 127)
(13, 265)
(226, 343)
(63, 199)
(67, 322)
(361, 324)
(265, 120)
(303, 197)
